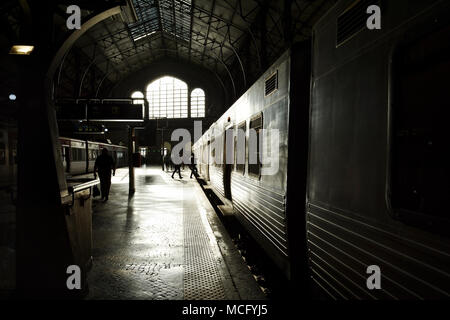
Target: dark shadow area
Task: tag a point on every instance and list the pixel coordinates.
(271, 280)
(7, 243)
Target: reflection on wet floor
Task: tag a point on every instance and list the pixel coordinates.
(156, 244)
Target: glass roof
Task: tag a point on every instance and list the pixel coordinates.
(172, 15)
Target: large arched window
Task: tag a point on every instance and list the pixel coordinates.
(197, 103)
(167, 98)
(139, 96)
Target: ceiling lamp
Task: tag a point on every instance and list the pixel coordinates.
(21, 50)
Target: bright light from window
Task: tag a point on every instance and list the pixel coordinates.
(139, 96)
(168, 98)
(197, 103)
(12, 97)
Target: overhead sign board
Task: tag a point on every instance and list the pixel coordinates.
(71, 111)
(115, 112)
(118, 112)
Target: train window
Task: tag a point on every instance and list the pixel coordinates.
(73, 154)
(78, 154)
(254, 162)
(420, 171)
(240, 147)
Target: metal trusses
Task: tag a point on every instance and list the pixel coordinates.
(235, 39)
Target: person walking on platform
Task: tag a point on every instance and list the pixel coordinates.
(194, 170)
(177, 168)
(104, 164)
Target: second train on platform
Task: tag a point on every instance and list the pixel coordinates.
(79, 155)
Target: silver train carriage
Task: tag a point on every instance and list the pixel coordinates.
(268, 205)
(378, 175)
(79, 158)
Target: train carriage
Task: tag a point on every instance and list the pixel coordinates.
(79, 159)
(262, 201)
(378, 166)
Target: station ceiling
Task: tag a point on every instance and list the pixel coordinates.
(235, 39)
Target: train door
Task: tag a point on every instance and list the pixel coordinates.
(207, 159)
(228, 160)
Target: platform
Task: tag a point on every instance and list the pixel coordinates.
(164, 243)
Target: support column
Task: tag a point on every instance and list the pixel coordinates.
(130, 159)
(43, 239)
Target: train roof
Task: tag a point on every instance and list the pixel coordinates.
(93, 142)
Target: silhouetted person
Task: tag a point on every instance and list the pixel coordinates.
(194, 170)
(177, 169)
(167, 162)
(104, 164)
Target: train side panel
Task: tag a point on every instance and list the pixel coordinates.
(351, 223)
(259, 201)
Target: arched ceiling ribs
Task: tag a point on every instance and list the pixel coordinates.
(224, 36)
(76, 35)
(225, 90)
(84, 76)
(213, 5)
(227, 37)
(101, 82)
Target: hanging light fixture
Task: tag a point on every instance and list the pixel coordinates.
(21, 50)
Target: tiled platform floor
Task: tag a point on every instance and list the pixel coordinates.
(160, 244)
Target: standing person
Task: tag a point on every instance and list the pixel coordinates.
(104, 164)
(167, 162)
(194, 170)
